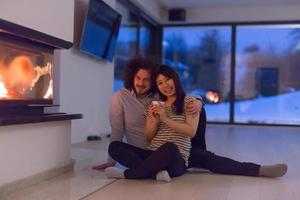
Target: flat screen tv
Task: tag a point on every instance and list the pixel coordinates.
(100, 31)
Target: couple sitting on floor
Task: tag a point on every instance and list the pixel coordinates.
(159, 120)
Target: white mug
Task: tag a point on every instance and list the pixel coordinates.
(162, 103)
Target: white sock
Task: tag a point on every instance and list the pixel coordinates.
(163, 176)
(273, 170)
(114, 172)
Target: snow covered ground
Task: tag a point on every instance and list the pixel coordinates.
(281, 109)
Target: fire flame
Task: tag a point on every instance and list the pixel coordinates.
(213, 97)
(49, 90)
(3, 91)
(21, 76)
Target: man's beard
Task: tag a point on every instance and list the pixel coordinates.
(141, 91)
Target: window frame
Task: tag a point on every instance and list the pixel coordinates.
(234, 26)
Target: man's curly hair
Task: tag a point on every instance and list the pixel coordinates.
(134, 65)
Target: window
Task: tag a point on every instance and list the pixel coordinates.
(145, 39)
(201, 56)
(267, 87)
(261, 86)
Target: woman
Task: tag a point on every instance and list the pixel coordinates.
(170, 129)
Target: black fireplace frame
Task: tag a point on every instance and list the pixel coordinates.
(30, 36)
(12, 110)
(11, 32)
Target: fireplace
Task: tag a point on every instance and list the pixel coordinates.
(26, 65)
(26, 71)
(27, 80)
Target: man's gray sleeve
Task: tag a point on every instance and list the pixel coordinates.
(116, 117)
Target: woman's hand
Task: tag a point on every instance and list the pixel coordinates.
(152, 122)
(160, 112)
(153, 113)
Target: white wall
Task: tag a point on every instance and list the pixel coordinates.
(240, 13)
(224, 13)
(29, 149)
(150, 7)
(85, 83)
(54, 17)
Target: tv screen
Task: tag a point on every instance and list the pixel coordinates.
(100, 31)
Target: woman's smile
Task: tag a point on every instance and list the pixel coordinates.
(168, 91)
(165, 85)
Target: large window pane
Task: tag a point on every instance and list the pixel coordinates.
(126, 44)
(201, 56)
(267, 84)
(145, 46)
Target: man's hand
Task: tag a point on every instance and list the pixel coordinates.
(193, 107)
(104, 166)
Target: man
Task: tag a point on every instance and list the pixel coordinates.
(127, 119)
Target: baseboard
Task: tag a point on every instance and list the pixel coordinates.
(23, 183)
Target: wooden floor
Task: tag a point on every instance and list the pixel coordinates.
(264, 145)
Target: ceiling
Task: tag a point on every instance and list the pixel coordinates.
(167, 4)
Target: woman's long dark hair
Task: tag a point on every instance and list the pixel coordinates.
(167, 71)
(133, 66)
